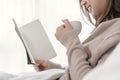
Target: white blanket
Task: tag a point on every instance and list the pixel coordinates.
(6, 76)
(51, 74)
(110, 70)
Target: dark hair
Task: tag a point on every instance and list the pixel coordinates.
(114, 11)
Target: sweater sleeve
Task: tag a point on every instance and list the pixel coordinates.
(77, 56)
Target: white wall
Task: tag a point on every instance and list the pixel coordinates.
(50, 13)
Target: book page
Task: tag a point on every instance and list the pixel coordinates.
(37, 40)
(29, 56)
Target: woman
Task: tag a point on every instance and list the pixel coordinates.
(83, 57)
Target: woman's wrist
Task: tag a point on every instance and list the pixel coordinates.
(68, 37)
(52, 65)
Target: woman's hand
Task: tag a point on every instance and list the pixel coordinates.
(63, 28)
(44, 65)
(41, 65)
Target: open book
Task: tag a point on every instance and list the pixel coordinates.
(35, 41)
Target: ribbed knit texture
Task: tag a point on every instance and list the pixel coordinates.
(82, 57)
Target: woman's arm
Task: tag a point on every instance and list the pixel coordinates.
(77, 56)
(42, 65)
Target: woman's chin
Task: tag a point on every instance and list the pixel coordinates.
(93, 15)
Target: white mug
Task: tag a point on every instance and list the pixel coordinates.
(76, 26)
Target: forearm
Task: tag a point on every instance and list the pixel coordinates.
(52, 65)
(77, 56)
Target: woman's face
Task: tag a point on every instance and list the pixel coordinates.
(96, 7)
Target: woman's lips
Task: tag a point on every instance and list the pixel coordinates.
(89, 8)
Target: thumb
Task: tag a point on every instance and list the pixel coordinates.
(39, 61)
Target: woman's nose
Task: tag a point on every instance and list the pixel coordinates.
(83, 2)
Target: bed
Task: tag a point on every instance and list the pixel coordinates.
(109, 70)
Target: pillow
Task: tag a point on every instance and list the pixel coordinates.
(109, 70)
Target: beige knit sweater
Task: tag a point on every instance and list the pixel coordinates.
(83, 57)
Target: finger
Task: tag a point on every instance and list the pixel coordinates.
(39, 61)
(36, 60)
(66, 23)
(63, 26)
(57, 33)
(41, 64)
(41, 67)
(60, 27)
(36, 67)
